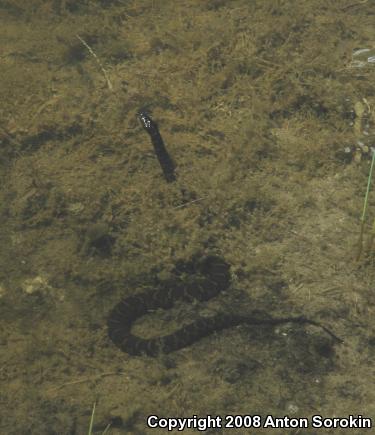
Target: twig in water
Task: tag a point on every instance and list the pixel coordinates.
(97, 61)
(90, 379)
(185, 204)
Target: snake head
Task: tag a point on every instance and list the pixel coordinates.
(146, 121)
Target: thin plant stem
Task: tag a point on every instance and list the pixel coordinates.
(363, 217)
(92, 419)
(92, 422)
(91, 51)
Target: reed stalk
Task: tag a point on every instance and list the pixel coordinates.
(364, 210)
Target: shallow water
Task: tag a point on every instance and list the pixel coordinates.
(256, 104)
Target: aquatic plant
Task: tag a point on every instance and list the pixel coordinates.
(364, 210)
(92, 422)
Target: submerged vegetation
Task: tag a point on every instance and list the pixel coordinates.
(365, 204)
(258, 103)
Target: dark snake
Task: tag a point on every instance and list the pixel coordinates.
(201, 279)
(166, 163)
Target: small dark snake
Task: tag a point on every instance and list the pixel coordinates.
(165, 160)
(201, 278)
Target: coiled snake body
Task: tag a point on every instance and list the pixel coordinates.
(201, 278)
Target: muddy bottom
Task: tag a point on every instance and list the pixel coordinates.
(267, 110)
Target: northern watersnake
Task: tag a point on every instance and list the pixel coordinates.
(200, 278)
